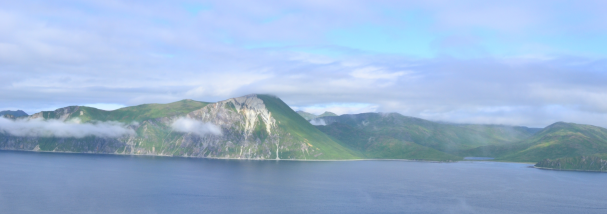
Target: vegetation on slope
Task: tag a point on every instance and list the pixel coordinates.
(142, 112)
(447, 138)
(369, 135)
(310, 116)
(584, 163)
(302, 130)
(561, 140)
(371, 145)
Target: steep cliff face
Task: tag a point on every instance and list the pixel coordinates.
(249, 129)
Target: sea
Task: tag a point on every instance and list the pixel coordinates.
(32, 182)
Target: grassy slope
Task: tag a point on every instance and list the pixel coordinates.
(154, 135)
(142, 112)
(302, 130)
(586, 163)
(449, 138)
(561, 140)
(381, 147)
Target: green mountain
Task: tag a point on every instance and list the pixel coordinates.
(379, 135)
(13, 114)
(310, 116)
(264, 127)
(559, 140)
(252, 127)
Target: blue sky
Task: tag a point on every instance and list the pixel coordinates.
(502, 62)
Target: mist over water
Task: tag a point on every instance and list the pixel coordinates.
(83, 183)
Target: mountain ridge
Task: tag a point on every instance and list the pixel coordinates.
(261, 126)
(252, 127)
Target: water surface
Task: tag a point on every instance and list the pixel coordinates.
(83, 183)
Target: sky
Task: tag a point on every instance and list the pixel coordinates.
(529, 63)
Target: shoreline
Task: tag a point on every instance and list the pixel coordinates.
(215, 158)
(252, 159)
(573, 170)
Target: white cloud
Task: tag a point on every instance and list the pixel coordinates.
(318, 122)
(341, 108)
(106, 106)
(375, 73)
(187, 125)
(57, 128)
(53, 55)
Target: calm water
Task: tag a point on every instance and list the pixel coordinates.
(78, 183)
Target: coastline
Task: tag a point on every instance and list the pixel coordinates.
(216, 158)
(573, 170)
(306, 160)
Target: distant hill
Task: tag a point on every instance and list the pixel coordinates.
(310, 116)
(391, 135)
(559, 140)
(327, 113)
(17, 113)
(306, 115)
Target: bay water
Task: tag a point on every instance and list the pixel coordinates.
(85, 183)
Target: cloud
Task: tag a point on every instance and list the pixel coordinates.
(57, 128)
(187, 125)
(341, 108)
(318, 122)
(61, 53)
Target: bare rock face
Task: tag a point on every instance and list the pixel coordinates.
(59, 114)
(248, 131)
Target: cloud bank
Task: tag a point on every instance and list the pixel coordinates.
(318, 122)
(187, 125)
(57, 128)
(505, 62)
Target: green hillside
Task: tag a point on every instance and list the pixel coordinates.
(142, 112)
(310, 116)
(561, 140)
(301, 129)
(413, 138)
(449, 138)
(371, 145)
(584, 163)
(128, 114)
(264, 127)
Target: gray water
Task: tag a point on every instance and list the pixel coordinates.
(83, 183)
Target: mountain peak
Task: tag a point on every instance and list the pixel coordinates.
(327, 113)
(17, 113)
